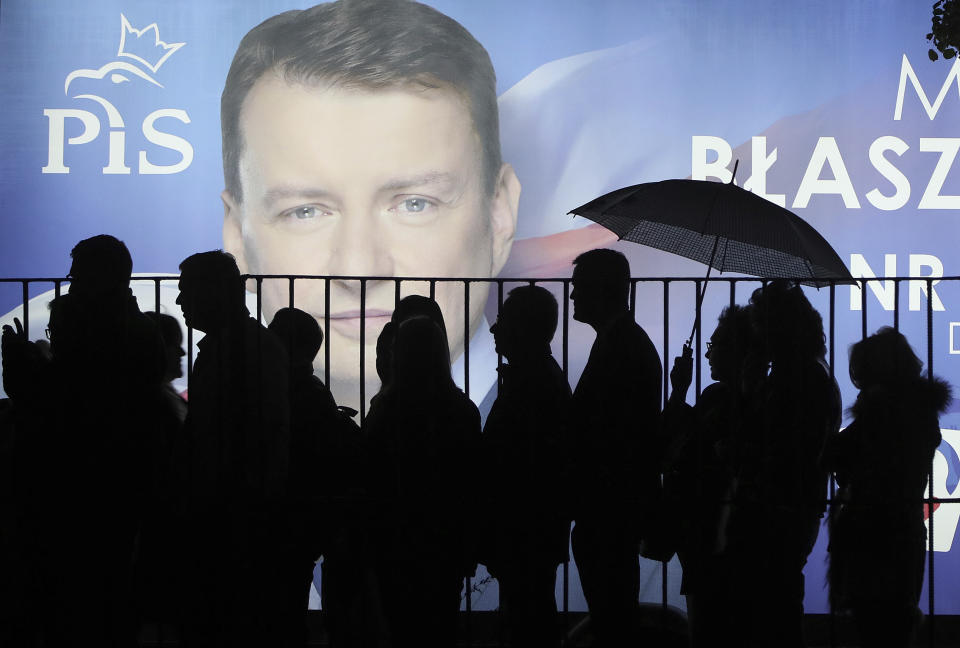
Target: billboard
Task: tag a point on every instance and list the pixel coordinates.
(111, 123)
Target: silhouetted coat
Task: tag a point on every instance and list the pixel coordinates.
(615, 416)
(238, 424)
(236, 455)
(697, 480)
(420, 455)
(325, 463)
(782, 479)
(877, 540)
(93, 419)
(422, 459)
(526, 451)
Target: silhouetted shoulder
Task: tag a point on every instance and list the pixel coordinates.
(929, 396)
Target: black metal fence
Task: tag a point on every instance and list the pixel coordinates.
(665, 305)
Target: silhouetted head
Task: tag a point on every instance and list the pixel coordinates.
(601, 286)
(101, 267)
(211, 291)
(420, 361)
(786, 324)
(730, 345)
(385, 353)
(172, 336)
(300, 335)
(526, 323)
(884, 358)
(67, 330)
(420, 306)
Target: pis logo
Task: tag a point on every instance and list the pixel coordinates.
(138, 56)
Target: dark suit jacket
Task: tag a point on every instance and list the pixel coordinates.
(615, 414)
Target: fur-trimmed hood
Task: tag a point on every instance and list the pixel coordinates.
(932, 396)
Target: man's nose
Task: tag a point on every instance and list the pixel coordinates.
(360, 248)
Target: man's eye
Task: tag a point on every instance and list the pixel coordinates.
(304, 212)
(414, 205)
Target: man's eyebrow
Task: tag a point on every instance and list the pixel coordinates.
(437, 179)
(283, 192)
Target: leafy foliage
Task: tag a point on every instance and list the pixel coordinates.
(945, 32)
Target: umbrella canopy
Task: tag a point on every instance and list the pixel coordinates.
(721, 225)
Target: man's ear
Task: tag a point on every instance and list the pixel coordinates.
(233, 230)
(503, 216)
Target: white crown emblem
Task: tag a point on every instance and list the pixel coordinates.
(140, 49)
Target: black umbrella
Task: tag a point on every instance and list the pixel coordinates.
(721, 225)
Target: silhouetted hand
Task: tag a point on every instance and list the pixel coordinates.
(681, 375)
(18, 356)
(10, 336)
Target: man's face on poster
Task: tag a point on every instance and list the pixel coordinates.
(380, 182)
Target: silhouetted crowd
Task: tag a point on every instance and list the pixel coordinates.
(124, 503)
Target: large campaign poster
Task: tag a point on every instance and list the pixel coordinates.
(111, 123)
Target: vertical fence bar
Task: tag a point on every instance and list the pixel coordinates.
(290, 293)
(466, 390)
(565, 340)
(665, 394)
(156, 294)
(931, 626)
(433, 289)
(26, 307)
(466, 337)
(896, 304)
(499, 355)
(396, 292)
(699, 342)
(633, 299)
(501, 626)
(733, 293)
(363, 349)
(831, 333)
(259, 300)
(189, 357)
(57, 287)
(326, 331)
(863, 309)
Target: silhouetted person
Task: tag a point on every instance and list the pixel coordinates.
(236, 454)
(781, 482)
(407, 308)
(615, 416)
(525, 447)
(882, 459)
(96, 448)
(385, 354)
(324, 484)
(423, 437)
(698, 477)
(172, 336)
(158, 543)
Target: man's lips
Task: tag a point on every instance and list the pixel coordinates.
(347, 322)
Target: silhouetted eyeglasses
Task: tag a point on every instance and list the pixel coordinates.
(47, 331)
(709, 346)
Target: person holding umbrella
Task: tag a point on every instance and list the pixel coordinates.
(615, 414)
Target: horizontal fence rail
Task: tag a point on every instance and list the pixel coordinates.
(665, 306)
